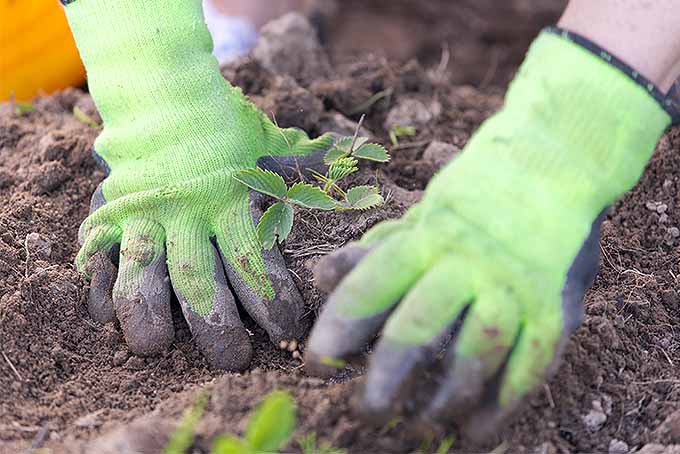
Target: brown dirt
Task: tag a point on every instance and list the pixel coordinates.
(66, 380)
(486, 39)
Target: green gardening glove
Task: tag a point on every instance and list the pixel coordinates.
(501, 248)
(174, 134)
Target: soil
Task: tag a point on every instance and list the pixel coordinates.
(485, 39)
(67, 380)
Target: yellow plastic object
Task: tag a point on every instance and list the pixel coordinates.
(37, 52)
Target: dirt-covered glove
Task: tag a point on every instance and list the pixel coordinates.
(500, 250)
(174, 134)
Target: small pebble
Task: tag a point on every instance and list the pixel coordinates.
(618, 447)
(297, 355)
(120, 357)
(651, 206)
(674, 232)
(283, 344)
(663, 218)
(292, 346)
(661, 208)
(596, 418)
(667, 185)
(38, 246)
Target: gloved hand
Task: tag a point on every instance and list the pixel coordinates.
(174, 134)
(500, 250)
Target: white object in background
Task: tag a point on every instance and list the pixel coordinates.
(233, 37)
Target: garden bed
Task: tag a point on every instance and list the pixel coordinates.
(66, 380)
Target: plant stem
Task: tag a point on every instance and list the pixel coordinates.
(356, 133)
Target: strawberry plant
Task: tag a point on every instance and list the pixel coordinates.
(342, 160)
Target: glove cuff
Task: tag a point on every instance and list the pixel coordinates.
(154, 80)
(671, 104)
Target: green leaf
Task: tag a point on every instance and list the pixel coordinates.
(446, 445)
(401, 131)
(332, 362)
(360, 141)
(277, 221)
(22, 108)
(228, 444)
(263, 181)
(84, 118)
(273, 423)
(341, 168)
(372, 152)
(363, 197)
(183, 437)
(333, 155)
(343, 143)
(309, 196)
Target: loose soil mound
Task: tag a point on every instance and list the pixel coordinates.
(66, 380)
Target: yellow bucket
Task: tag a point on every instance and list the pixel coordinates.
(37, 52)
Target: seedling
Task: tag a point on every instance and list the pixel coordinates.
(269, 429)
(84, 118)
(444, 446)
(309, 445)
(23, 108)
(342, 160)
(401, 131)
(183, 437)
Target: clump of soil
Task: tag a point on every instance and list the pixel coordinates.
(67, 380)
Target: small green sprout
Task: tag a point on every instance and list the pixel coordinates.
(332, 362)
(309, 445)
(84, 118)
(183, 437)
(401, 131)
(342, 160)
(269, 428)
(444, 446)
(23, 108)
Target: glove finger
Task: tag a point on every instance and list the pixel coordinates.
(482, 346)
(260, 279)
(101, 162)
(538, 346)
(96, 239)
(96, 202)
(198, 279)
(414, 334)
(358, 307)
(332, 268)
(141, 295)
(103, 272)
(101, 269)
(580, 277)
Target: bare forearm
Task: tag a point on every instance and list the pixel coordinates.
(643, 34)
